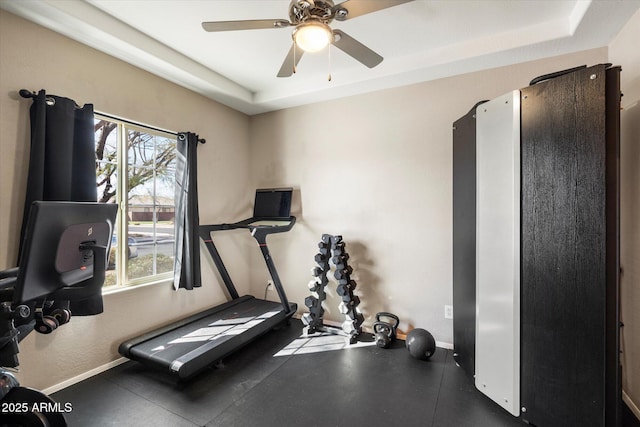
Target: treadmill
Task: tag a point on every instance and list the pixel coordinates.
(192, 344)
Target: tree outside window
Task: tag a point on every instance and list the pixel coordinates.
(146, 158)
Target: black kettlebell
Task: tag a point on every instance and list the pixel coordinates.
(385, 332)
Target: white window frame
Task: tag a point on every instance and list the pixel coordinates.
(122, 191)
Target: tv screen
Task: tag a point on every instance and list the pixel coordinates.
(53, 253)
(272, 203)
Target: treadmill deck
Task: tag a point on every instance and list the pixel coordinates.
(201, 340)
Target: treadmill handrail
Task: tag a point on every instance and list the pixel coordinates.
(205, 230)
(258, 232)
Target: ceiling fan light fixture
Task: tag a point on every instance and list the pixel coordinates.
(312, 36)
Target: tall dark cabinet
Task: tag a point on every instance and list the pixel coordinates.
(464, 240)
(569, 249)
(569, 289)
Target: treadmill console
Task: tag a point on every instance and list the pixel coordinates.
(272, 203)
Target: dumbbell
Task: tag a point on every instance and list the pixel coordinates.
(358, 319)
(350, 300)
(340, 259)
(348, 327)
(307, 319)
(322, 260)
(343, 290)
(336, 240)
(385, 332)
(350, 297)
(353, 325)
(344, 308)
(340, 273)
(347, 281)
(311, 302)
(338, 250)
(341, 266)
(313, 285)
(324, 247)
(349, 310)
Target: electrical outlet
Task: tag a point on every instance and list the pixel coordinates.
(270, 285)
(448, 312)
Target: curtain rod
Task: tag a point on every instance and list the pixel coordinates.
(32, 94)
(111, 116)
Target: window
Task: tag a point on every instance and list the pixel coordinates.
(146, 157)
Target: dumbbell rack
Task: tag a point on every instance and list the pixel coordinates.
(332, 252)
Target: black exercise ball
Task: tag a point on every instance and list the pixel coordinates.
(420, 344)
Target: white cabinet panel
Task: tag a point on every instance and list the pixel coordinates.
(498, 250)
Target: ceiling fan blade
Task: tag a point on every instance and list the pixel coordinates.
(288, 66)
(257, 24)
(357, 50)
(356, 8)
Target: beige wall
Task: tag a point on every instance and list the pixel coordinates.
(377, 168)
(624, 51)
(34, 58)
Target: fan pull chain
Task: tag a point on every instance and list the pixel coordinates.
(294, 58)
(329, 53)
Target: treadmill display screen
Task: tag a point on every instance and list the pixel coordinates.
(272, 203)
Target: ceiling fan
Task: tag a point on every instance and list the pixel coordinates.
(312, 33)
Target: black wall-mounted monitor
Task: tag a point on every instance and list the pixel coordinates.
(54, 253)
(272, 203)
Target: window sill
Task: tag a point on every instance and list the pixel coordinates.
(117, 289)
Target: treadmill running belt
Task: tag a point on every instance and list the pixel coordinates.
(204, 339)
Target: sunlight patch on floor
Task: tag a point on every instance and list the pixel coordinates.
(318, 342)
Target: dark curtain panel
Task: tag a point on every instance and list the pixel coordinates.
(187, 247)
(62, 163)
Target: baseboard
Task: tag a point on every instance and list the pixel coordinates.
(446, 345)
(631, 404)
(84, 376)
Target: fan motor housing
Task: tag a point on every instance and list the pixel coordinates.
(304, 10)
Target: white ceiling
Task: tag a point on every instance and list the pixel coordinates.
(420, 40)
